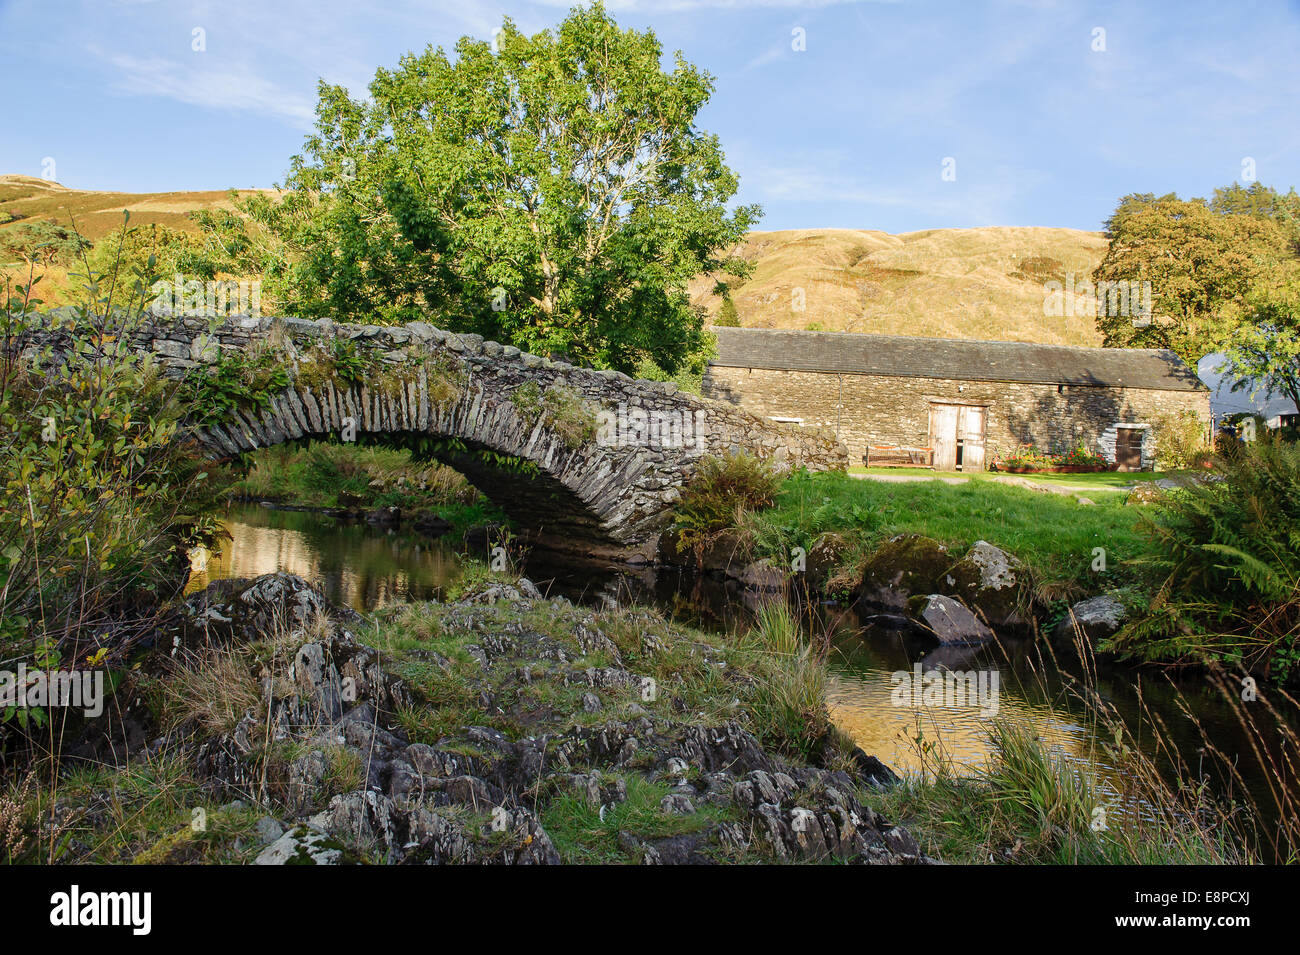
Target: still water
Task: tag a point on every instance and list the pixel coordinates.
(367, 567)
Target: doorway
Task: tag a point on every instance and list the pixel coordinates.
(1128, 448)
(957, 436)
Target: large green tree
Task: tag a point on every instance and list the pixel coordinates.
(552, 191)
(1202, 266)
(1261, 201)
(1264, 351)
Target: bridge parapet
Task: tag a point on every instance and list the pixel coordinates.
(611, 452)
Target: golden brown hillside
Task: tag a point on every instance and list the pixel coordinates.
(98, 213)
(982, 283)
(945, 283)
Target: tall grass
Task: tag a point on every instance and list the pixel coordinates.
(214, 689)
(788, 705)
(1033, 804)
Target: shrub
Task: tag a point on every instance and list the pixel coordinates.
(234, 381)
(156, 251)
(1027, 456)
(1226, 552)
(1080, 456)
(719, 495)
(1180, 441)
(101, 484)
(728, 316)
(41, 242)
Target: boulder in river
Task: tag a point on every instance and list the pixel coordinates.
(827, 553)
(989, 581)
(431, 525)
(384, 516)
(727, 552)
(1096, 618)
(480, 540)
(902, 566)
(762, 575)
(949, 620)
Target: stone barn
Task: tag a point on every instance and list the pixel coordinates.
(951, 403)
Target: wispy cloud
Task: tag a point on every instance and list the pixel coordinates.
(216, 84)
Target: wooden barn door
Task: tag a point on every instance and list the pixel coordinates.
(943, 436)
(1128, 449)
(972, 435)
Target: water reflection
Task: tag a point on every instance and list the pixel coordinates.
(358, 565)
(366, 567)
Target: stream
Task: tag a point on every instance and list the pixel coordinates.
(367, 567)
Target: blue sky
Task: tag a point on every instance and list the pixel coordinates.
(850, 132)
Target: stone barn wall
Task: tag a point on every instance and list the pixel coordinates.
(872, 409)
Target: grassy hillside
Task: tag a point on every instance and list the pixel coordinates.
(944, 283)
(95, 214)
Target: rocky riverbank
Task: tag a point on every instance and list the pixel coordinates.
(266, 726)
(909, 581)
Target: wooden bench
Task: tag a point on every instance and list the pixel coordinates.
(897, 456)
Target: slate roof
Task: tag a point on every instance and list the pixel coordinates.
(953, 359)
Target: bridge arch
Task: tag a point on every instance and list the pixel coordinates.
(608, 454)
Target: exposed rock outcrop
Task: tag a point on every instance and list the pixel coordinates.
(332, 754)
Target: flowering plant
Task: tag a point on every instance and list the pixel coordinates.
(1028, 457)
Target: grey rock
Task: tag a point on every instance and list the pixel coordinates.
(989, 581)
(950, 620)
(302, 845)
(1096, 618)
(268, 830)
(763, 575)
(676, 804)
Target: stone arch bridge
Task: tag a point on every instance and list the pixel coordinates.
(609, 453)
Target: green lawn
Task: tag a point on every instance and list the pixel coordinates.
(1102, 480)
(1053, 533)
